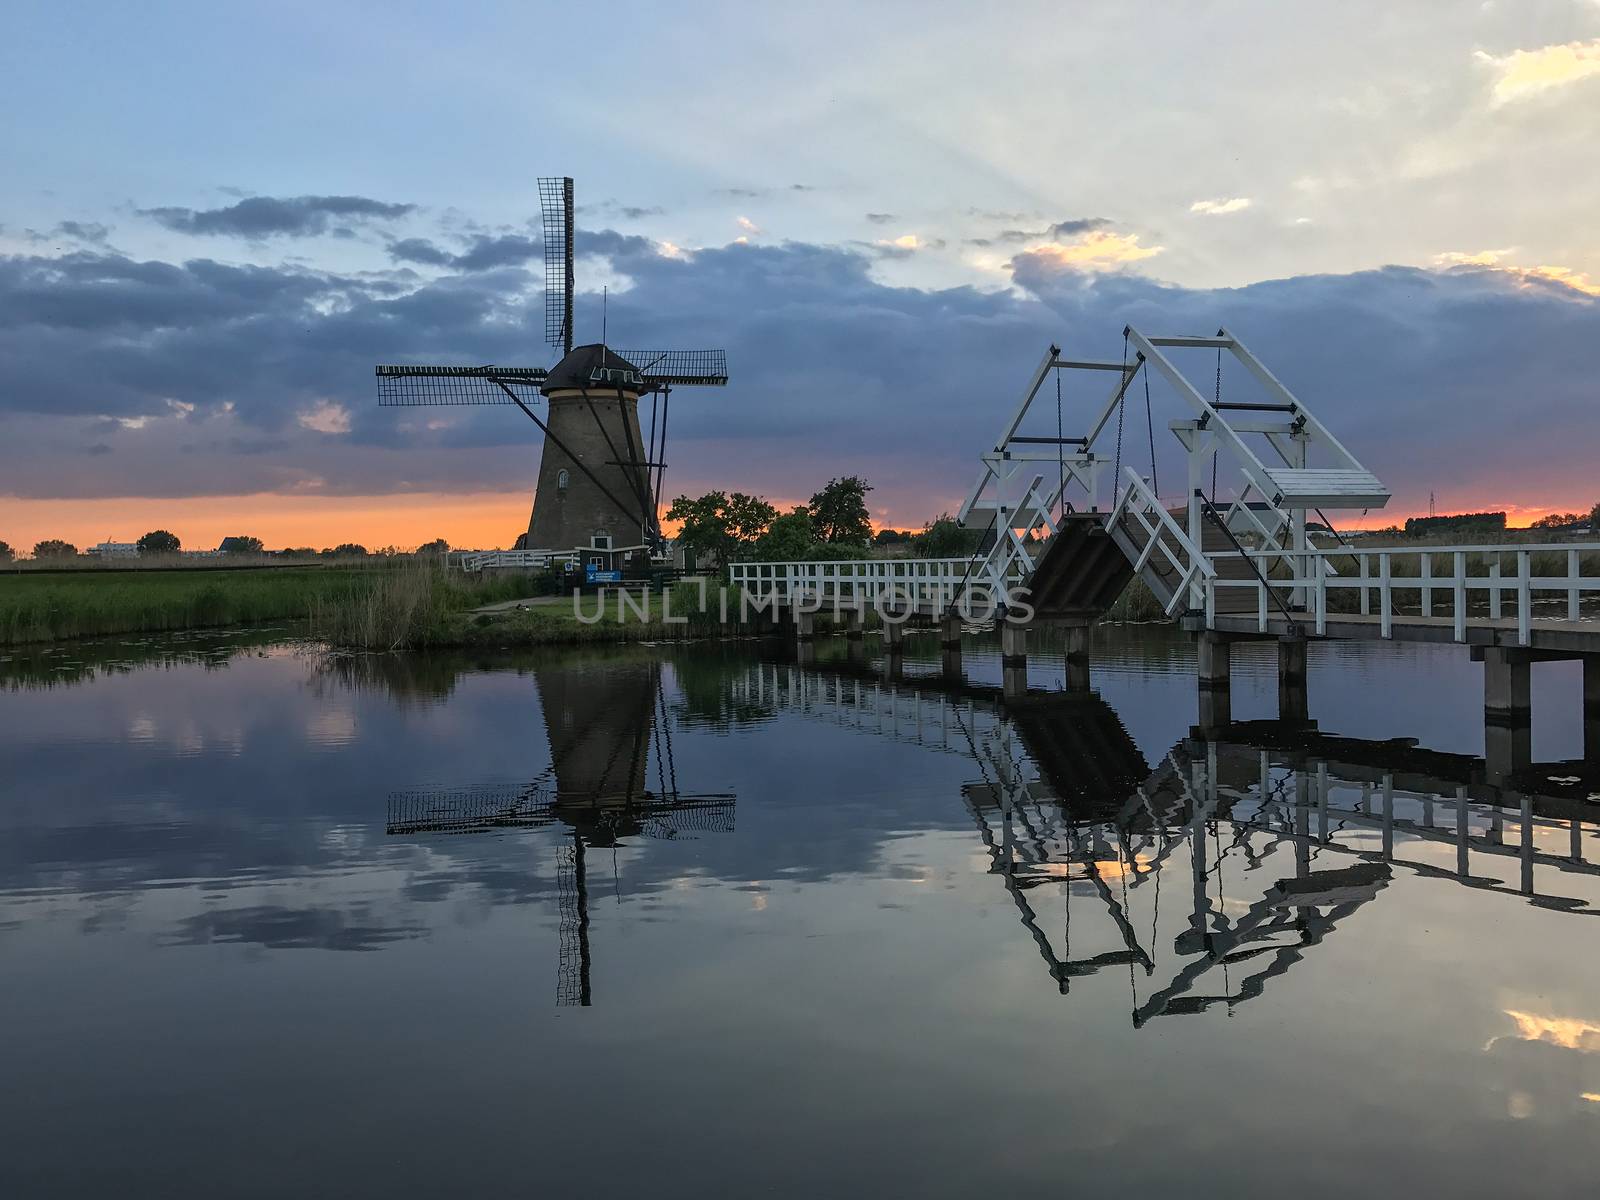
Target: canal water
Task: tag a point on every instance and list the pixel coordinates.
(703, 921)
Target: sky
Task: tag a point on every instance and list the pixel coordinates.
(215, 219)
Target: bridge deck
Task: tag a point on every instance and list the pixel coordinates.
(1556, 636)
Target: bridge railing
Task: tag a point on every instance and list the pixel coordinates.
(527, 560)
(1426, 584)
(926, 583)
(1188, 564)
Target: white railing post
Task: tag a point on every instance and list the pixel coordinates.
(1460, 599)
(1427, 584)
(1524, 596)
(1572, 585)
(1494, 587)
(1366, 596)
(1386, 606)
(1322, 596)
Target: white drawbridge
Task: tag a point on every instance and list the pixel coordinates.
(1246, 545)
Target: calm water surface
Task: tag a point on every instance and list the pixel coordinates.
(695, 921)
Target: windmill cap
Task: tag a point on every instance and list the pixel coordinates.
(594, 366)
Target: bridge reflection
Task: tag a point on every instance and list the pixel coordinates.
(1280, 832)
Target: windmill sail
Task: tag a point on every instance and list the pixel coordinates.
(679, 368)
(555, 207)
(408, 386)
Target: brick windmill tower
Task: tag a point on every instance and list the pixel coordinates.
(600, 475)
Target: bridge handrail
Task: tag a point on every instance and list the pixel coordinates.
(1156, 534)
(862, 580)
(478, 560)
(1458, 581)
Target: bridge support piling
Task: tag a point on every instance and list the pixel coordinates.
(894, 633)
(802, 623)
(950, 646)
(950, 632)
(1077, 658)
(1591, 707)
(855, 620)
(1507, 686)
(1294, 702)
(1507, 712)
(1013, 658)
(1214, 663)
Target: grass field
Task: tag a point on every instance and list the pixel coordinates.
(40, 607)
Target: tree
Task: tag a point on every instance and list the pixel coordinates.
(943, 537)
(436, 547)
(787, 539)
(242, 545)
(6, 552)
(159, 541)
(54, 548)
(347, 550)
(1557, 521)
(890, 537)
(719, 524)
(1594, 519)
(839, 512)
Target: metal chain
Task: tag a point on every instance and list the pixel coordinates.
(1149, 422)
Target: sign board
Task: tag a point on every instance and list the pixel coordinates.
(594, 575)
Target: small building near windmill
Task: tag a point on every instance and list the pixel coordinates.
(114, 550)
(594, 491)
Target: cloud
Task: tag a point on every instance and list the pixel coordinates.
(631, 212)
(746, 224)
(1059, 231)
(326, 416)
(1495, 260)
(260, 217)
(1096, 251)
(1525, 73)
(90, 232)
(483, 252)
(420, 250)
(906, 245)
(880, 218)
(94, 345)
(1217, 208)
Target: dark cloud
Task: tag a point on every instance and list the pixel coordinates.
(84, 231)
(483, 253)
(834, 372)
(880, 218)
(614, 208)
(420, 250)
(267, 216)
(1058, 231)
(753, 193)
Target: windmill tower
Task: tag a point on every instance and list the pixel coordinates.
(600, 476)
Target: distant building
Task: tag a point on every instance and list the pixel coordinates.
(114, 550)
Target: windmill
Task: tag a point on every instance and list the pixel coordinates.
(600, 477)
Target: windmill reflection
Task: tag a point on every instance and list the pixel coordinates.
(610, 739)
